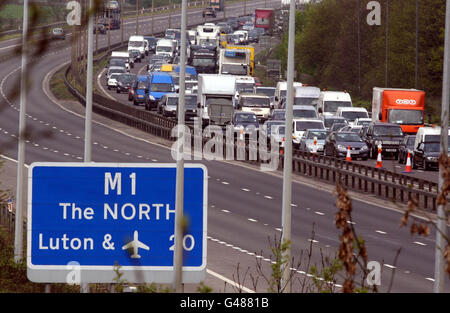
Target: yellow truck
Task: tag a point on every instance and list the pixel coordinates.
(252, 55)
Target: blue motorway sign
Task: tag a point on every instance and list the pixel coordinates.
(85, 219)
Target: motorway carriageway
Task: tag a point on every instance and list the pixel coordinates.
(244, 203)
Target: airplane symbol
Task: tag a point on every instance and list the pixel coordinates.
(135, 244)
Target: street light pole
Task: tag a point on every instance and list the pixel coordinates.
(18, 233)
(439, 272)
(287, 171)
(179, 200)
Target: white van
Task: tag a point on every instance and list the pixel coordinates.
(306, 95)
(352, 113)
(137, 43)
(428, 134)
(243, 36)
(166, 47)
(125, 56)
(281, 91)
(299, 126)
(330, 101)
(304, 111)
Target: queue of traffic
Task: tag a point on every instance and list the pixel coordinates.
(221, 90)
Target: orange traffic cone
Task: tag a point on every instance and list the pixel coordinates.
(379, 162)
(349, 156)
(408, 168)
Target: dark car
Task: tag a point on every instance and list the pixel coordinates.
(387, 134)
(337, 144)
(253, 36)
(190, 107)
(100, 28)
(247, 120)
(58, 33)
(209, 11)
(233, 21)
(135, 54)
(151, 43)
(125, 81)
(225, 28)
(426, 155)
(407, 145)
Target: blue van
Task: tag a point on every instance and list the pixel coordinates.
(159, 84)
(140, 89)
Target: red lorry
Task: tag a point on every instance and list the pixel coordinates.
(264, 18)
(400, 106)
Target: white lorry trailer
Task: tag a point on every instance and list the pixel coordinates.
(215, 98)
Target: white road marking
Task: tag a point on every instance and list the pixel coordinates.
(313, 240)
(319, 213)
(294, 205)
(430, 279)
(252, 220)
(225, 183)
(268, 197)
(420, 243)
(245, 189)
(389, 266)
(226, 211)
(381, 232)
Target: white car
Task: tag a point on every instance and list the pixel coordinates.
(112, 81)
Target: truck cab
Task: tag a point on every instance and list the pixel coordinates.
(138, 43)
(255, 103)
(234, 62)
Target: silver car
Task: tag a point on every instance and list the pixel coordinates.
(313, 140)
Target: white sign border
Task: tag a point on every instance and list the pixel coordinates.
(106, 274)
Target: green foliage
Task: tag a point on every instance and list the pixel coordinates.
(327, 47)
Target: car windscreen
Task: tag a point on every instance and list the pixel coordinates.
(117, 62)
(246, 118)
(409, 117)
(116, 70)
(141, 84)
(332, 106)
(255, 102)
(172, 101)
(267, 91)
(318, 134)
(127, 78)
(161, 87)
(298, 113)
(348, 137)
(136, 44)
(203, 62)
(305, 101)
(330, 121)
(234, 69)
(387, 131)
(353, 115)
(163, 49)
(432, 147)
(411, 140)
(304, 125)
(244, 87)
(270, 124)
(190, 100)
(278, 115)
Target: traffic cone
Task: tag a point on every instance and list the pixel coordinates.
(349, 156)
(408, 168)
(315, 145)
(379, 162)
